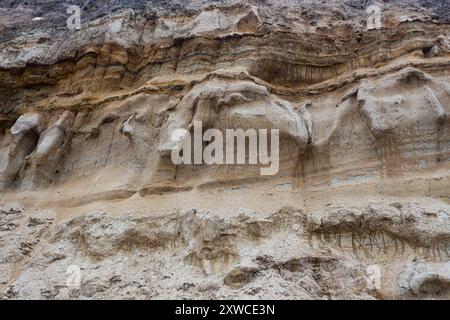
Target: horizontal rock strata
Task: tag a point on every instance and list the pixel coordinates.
(87, 182)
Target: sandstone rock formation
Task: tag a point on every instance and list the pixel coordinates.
(360, 206)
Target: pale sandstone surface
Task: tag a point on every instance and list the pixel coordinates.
(86, 177)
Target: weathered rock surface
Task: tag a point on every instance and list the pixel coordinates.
(360, 206)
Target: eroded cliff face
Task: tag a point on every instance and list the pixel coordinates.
(86, 177)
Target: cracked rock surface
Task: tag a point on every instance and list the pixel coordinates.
(360, 205)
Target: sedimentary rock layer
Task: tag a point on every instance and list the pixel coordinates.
(87, 180)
